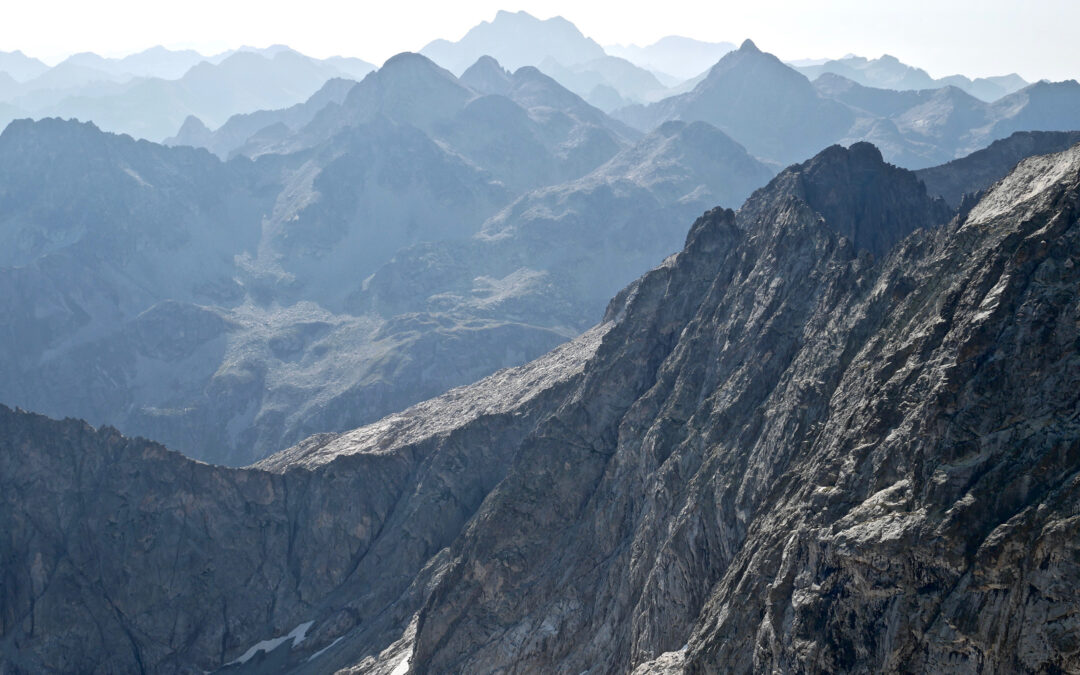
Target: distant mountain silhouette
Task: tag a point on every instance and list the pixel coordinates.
(758, 101)
(978, 171)
(931, 126)
(20, 66)
(631, 83)
(778, 115)
(516, 39)
(243, 82)
(150, 94)
(888, 72)
(236, 133)
(678, 57)
(160, 62)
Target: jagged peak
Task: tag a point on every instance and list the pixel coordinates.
(486, 66)
(50, 125)
(488, 62)
(859, 195)
(487, 76)
(749, 46)
(193, 123)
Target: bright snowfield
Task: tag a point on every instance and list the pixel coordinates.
(297, 636)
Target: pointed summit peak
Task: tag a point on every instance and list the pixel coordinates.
(749, 46)
(489, 64)
(861, 196)
(487, 76)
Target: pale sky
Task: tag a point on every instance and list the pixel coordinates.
(1036, 38)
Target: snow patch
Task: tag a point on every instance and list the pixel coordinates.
(403, 666)
(325, 649)
(297, 636)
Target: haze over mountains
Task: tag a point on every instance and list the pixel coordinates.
(387, 239)
(888, 72)
(149, 95)
(468, 363)
(167, 86)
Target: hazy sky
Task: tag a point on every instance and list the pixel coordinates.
(1036, 38)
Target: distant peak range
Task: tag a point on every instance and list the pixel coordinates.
(680, 57)
(780, 116)
(411, 89)
(150, 94)
(888, 72)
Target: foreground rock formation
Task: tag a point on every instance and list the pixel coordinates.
(839, 431)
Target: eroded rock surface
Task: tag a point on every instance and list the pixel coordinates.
(833, 433)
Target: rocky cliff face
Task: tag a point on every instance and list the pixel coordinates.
(981, 169)
(833, 433)
(836, 465)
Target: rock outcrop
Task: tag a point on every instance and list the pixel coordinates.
(978, 171)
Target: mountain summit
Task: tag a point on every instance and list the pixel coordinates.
(516, 39)
(760, 102)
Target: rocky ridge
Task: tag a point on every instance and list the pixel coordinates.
(780, 451)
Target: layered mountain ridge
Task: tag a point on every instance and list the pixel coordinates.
(837, 431)
(780, 116)
(283, 310)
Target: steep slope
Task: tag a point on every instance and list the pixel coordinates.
(555, 256)
(244, 340)
(823, 464)
(943, 530)
(763, 104)
(516, 39)
(241, 128)
(778, 452)
(744, 454)
(241, 556)
(627, 463)
(982, 168)
(1043, 106)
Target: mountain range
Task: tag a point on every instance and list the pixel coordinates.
(149, 94)
(674, 56)
(352, 241)
(169, 87)
(273, 330)
(835, 432)
(524, 355)
(779, 115)
(888, 72)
